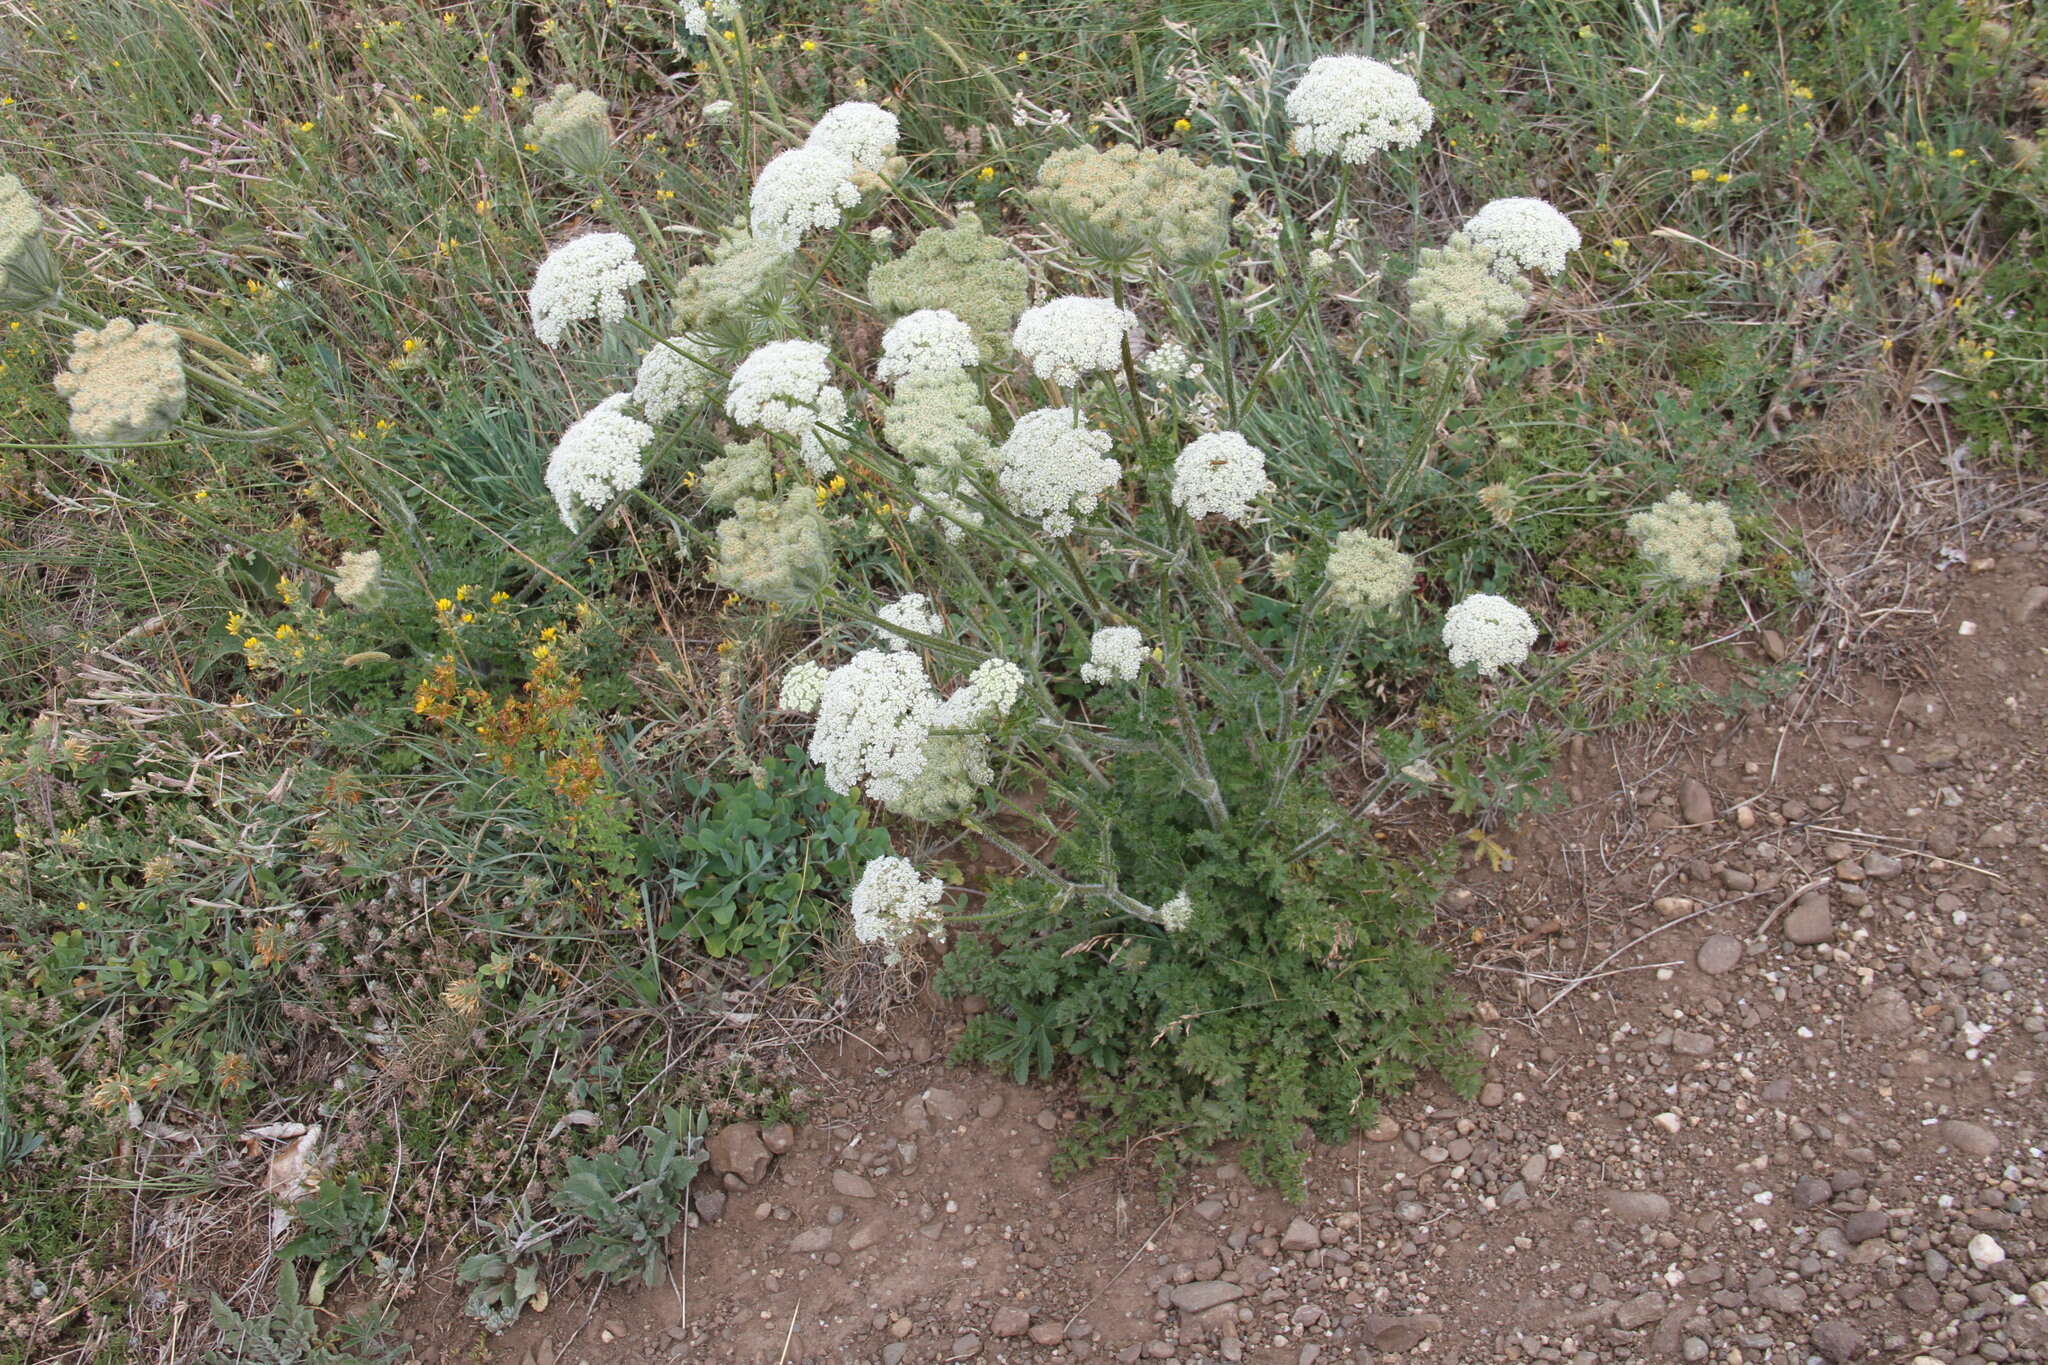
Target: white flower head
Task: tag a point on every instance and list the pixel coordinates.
(802, 189)
(672, 377)
(1115, 655)
(990, 693)
(1166, 362)
(700, 15)
(802, 688)
(1524, 234)
(359, 578)
(1220, 474)
(863, 133)
(893, 904)
(1175, 914)
(925, 341)
(583, 279)
(912, 611)
(1368, 572)
(1488, 631)
(28, 272)
(125, 383)
(875, 713)
(786, 387)
(1073, 336)
(718, 113)
(1052, 468)
(1355, 108)
(598, 458)
(1689, 542)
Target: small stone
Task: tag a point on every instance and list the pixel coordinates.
(778, 1138)
(1985, 1252)
(1882, 866)
(965, 1346)
(991, 1107)
(1493, 1094)
(1638, 1206)
(1384, 1129)
(1200, 1295)
(864, 1236)
(1861, 1227)
(2004, 834)
(1669, 1122)
(1775, 646)
(1719, 954)
(1047, 1120)
(851, 1185)
(710, 1205)
(945, 1106)
(1810, 922)
(2033, 602)
(1689, 1044)
(1971, 1139)
(737, 1150)
(1811, 1192)
(1695, 802)
(1839, 1341)
(1009, 1322)
(1400, 1333)
(811, 1240)
(1301, 1235)
(1048, 1333)
(1639, 1311)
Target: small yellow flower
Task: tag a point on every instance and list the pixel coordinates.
(483, 206)
(1722, 178)
(1956, 151)
(725, 646)
(542, 651)
(1181, 125)
(988, 172)
(550, 632)
(468, 617)
(443, 604)
(1700, 174)
(809, 46)
(409, 345)
(306, 126)
(199, 495)
(1699, 27)
(518, 91)
(1988, 353)
(498, 599)
(1023, 57)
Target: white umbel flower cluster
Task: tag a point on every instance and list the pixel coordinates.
(1690, 542)
(1523, 234)
(1355, 108)
(1052, 468)
(1368, 572)
(913, 612)
(359, 578)
(1167, 362)
(1115, 654)
(863, 133)
(125, 383)
(583, 279)
(786, 387)
(802, 688)
(924, 342)
(1490, 632)
(875, 713)
(598, 458)
(1220, 474)
(1175, 914)
(700, 15)
(804, 188)
(893, 904)
(671, 378)
(991, 693)
(1073, 336)
(28, 273)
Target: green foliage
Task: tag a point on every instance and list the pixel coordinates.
(292, 1334)
(626, 1200)
(759, 871)
(1302, 989)
(338, 1223)
(506, 1278)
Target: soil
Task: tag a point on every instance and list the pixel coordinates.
(1764, 1029)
